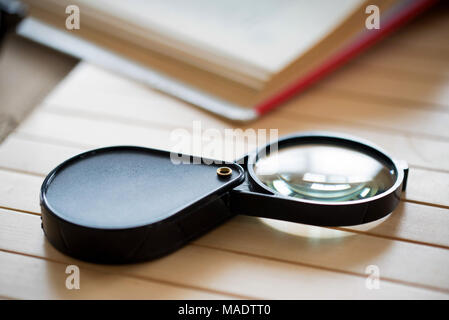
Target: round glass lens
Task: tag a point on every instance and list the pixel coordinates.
(324, 172)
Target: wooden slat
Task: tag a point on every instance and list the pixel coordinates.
(369, 82)
(97, 91)
(417, 151)
(397, 260)
(428, 33)
(429, 41)
(146, 112)
(387, 86)
(213, 269)
(89, 133)
(92, 96)
(394, 56)
(343, 108)
(312, 111)
(428, 187)
(20, 191)
(33, 157)
(417, 223)
(23, 277)
(393, 255)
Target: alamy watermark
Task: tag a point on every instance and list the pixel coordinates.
(215, 145)
(373, 20)
(72, 22)
(73, 279)
(372, 282)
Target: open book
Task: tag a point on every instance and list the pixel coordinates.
(235, 58)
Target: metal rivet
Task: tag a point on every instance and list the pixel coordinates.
(224, 171)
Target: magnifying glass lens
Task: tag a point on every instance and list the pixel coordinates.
(324, 172)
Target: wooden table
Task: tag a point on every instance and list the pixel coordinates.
(396, 95)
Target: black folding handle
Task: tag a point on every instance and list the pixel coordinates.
(309, 212)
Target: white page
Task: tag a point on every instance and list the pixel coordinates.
(265, 33)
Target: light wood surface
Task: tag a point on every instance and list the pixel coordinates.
(396, 95)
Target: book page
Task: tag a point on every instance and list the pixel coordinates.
(267, 34)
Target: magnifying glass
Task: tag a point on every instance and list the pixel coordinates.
(127, 204)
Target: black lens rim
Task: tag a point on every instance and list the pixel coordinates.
(384, 202)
